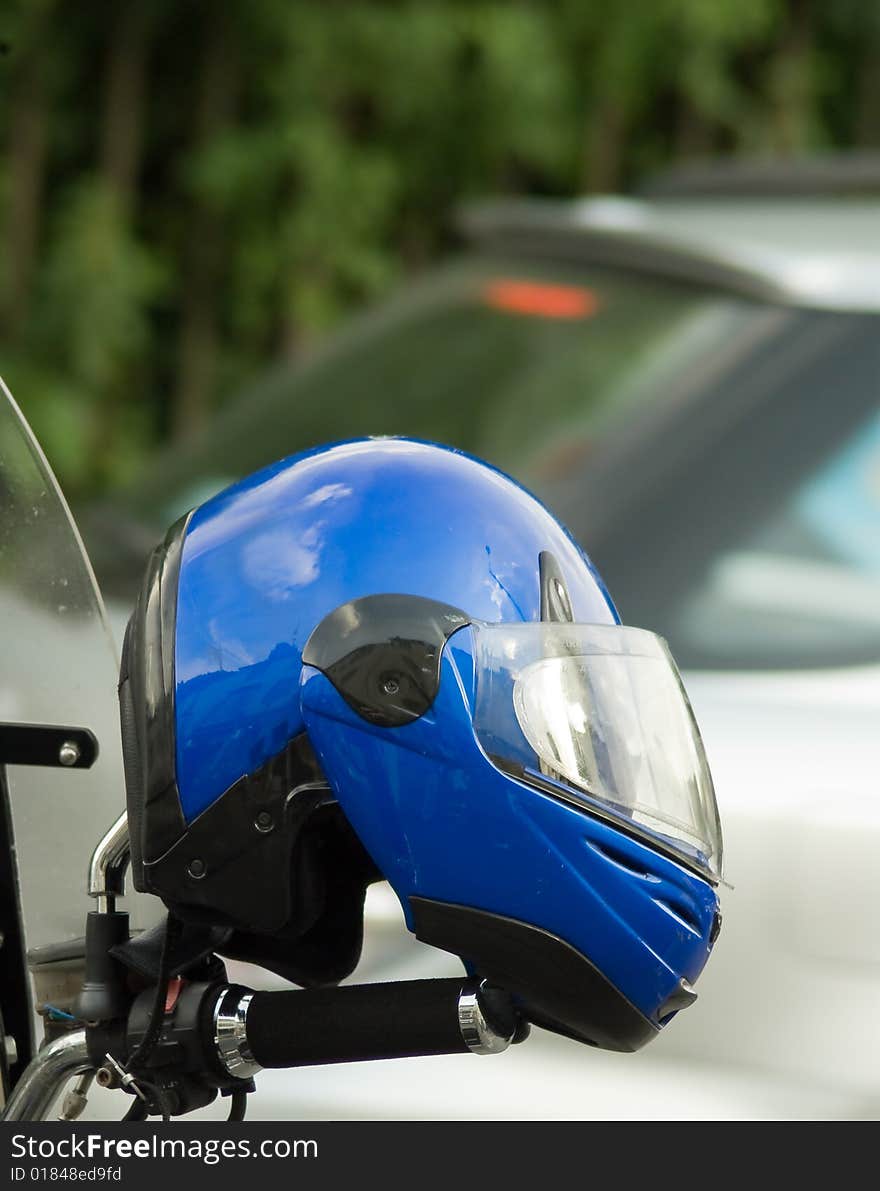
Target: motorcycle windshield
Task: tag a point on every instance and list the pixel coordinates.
(57, 667)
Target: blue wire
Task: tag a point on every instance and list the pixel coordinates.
(58, 1014)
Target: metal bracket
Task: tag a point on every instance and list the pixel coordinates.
(47, 744)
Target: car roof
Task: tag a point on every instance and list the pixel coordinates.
(822, 253)
(846, 173)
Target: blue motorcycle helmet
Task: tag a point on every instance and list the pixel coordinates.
(384, 659)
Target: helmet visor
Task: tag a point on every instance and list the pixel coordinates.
(597, 714)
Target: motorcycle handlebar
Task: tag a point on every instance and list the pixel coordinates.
(235, 1032)
(356, 1023)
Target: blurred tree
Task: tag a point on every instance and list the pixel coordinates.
(27, 101)
(218, 79)
(188, 189)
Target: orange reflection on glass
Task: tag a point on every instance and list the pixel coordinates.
(539, 299)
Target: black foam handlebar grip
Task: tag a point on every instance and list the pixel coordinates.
(354, 1023)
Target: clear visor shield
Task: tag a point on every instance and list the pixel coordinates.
(598, 715)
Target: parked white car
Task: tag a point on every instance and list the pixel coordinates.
(694, 386)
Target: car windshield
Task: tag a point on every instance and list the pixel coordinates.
(717, 456)
(523, 363)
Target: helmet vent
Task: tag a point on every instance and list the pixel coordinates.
(622, 860)
(680, 912)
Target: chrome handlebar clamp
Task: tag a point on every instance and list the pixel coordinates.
(230, 1033)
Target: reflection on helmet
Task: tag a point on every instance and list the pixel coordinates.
(384, 659)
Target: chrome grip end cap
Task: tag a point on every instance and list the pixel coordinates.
(478, 1034)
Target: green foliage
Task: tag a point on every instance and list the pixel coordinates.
(294, 159)
(99, 284)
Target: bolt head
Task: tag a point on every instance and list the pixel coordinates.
(68, 754)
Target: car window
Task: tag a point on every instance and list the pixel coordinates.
(805, 582)
(516, 361)
(757, 545)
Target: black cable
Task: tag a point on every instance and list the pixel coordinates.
(238, 1106)
(139, 1056)
(159, 1104)
(137, 1111)
(147, 1044)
